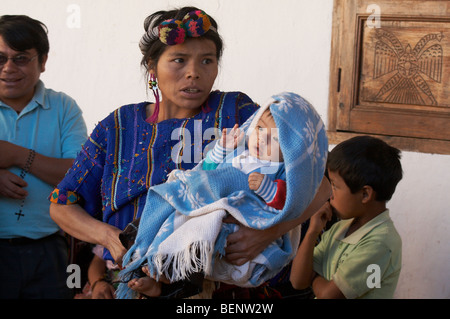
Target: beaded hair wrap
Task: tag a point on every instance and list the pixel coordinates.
(194, 24)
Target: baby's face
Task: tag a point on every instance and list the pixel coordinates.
(263, 141)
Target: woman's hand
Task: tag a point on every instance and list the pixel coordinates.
(114, 245)
(246, 243)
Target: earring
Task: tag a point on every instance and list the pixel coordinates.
(153, 85)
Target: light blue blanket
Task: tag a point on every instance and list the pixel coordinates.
(181, 229)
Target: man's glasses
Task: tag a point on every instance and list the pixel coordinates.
(20, 60)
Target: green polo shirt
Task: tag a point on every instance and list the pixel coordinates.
(365, 264)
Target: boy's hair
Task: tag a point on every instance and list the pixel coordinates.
(366, 160)
(22, 33)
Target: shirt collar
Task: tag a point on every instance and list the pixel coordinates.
(362, 231)
(37, 99)
(39, 94)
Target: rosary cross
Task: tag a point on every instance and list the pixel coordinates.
(19, 214)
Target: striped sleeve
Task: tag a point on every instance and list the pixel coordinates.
(273, 192)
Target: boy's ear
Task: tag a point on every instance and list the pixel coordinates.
(368, 194)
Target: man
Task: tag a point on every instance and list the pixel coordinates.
(41, 132)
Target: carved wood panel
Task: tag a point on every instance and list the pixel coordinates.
(390, 76)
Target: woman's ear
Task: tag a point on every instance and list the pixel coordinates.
(368, 194)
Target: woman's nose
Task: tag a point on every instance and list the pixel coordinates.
(192, 71)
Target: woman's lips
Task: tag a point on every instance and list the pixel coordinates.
(191, 91)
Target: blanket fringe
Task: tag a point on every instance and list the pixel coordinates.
(197, 257)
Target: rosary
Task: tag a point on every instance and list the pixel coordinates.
(24, 172)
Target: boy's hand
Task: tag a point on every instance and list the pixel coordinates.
(320, 218)
(254, 180)
(230, 140)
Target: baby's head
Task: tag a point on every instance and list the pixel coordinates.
(263, 142)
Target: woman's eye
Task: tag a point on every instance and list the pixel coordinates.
(178, 60)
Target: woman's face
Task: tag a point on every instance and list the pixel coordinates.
(186, 73)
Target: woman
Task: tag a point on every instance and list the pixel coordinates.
(138, 145)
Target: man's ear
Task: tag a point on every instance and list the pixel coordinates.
(368, 194)
(44, 61)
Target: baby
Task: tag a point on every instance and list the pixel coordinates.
(272, 180)
(262, 161)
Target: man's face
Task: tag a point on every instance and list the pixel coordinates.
(17, 82)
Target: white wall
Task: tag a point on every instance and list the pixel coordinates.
(270, 46)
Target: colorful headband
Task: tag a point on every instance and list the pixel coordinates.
(194, 24)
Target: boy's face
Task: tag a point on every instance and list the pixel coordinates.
(263, 141)
(346, 204)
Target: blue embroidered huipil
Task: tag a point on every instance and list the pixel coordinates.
(125, 155)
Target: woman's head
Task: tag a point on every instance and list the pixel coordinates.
(152, 47)
(181, 49)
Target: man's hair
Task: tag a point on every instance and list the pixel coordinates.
(365, 160)
(23, 33)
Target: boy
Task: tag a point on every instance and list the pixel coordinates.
(360, 256)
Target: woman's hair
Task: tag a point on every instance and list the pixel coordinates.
(23, 33)
(152, 48)
(365, 160)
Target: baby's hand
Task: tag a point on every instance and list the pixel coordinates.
(230, 140)
(254, 180)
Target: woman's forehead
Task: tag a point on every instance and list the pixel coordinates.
(195, 46)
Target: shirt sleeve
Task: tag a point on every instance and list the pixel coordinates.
(73, 129)
(273, 192)
(319, 254)
(352, 274)
(82, 183)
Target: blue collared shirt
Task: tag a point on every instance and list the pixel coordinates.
(52, 125)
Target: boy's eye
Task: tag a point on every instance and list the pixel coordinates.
(178, 60)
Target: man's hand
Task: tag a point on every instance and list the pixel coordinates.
(12, 186)
(10, 152)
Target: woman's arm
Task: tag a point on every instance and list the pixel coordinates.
(74, 220)
(247, 243)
